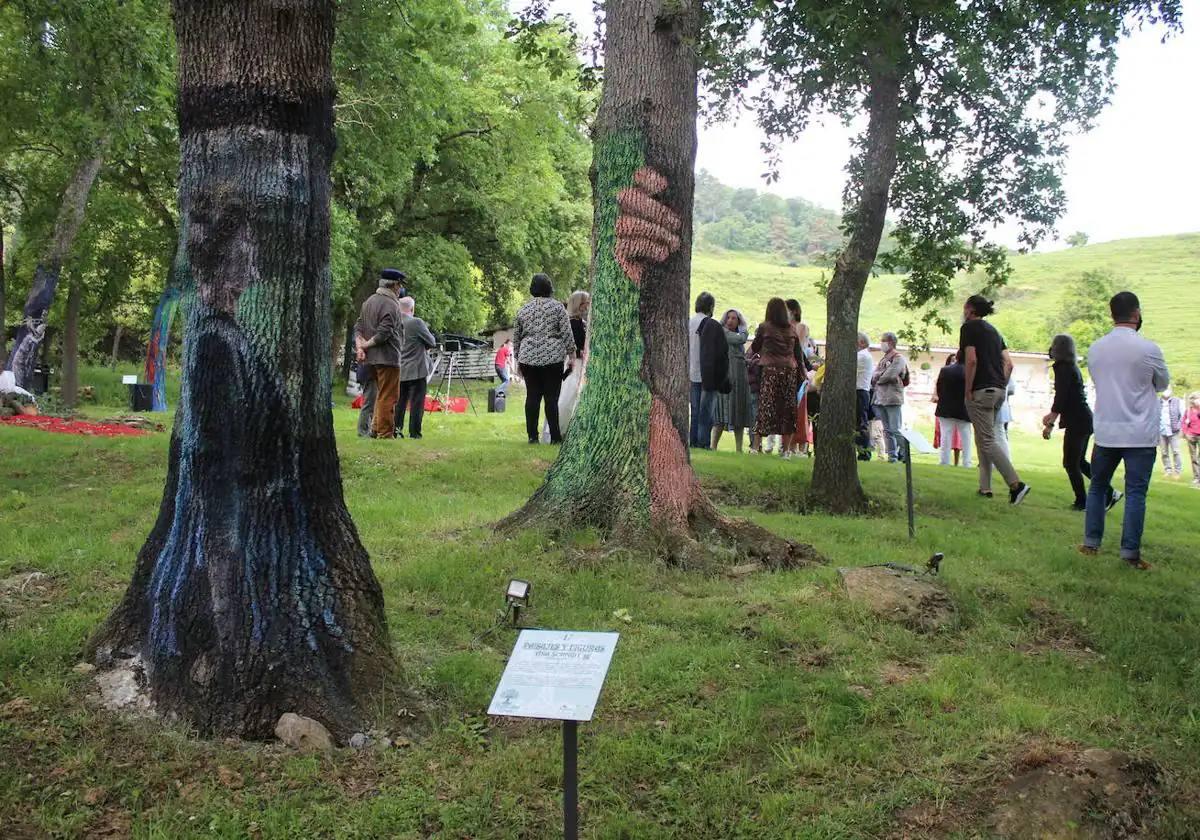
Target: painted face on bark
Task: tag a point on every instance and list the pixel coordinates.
(232, 220)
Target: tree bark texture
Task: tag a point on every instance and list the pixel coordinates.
(70, 367)
(835, 484)
(160, 340)
(253, 595)
(32, 332)
(624, 466)
(3, 291)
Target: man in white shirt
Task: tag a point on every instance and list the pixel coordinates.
(705, 303)
(866, 369)
(1128, 372)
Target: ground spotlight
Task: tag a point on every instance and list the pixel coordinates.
(517, 597)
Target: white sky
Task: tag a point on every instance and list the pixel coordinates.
(1137, 173)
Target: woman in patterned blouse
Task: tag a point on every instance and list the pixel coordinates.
(542, 342)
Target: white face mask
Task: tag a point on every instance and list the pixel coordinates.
(886, 346)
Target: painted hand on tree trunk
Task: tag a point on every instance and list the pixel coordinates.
(647, 230)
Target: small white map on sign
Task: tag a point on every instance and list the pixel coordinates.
(554, 674)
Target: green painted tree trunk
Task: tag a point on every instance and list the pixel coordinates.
(624, 466)
(253, 596)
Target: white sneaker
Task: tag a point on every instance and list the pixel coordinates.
(787, 456)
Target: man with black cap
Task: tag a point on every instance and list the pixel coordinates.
(380, 320)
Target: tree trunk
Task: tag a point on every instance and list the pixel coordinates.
(624, 466)
(3, 289)
(70, 368)
(118, 330)
(32, 332)
(253, 596)
(835, 484)
(160, 340)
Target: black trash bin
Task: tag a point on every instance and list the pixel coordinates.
(141, 397)
(39, 381)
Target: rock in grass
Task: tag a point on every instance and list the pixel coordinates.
(302, 733)
(358, 740)
(913, 600)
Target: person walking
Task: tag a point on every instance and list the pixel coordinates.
(988, 369)
(1191, 433)
(1128, 372)
(889, 381)
(705, 304)
(779, 352)
(865, 364)
(417, 341)
(380, 320)
(1070, 409)
(1170, 429)
(542, 342)
(503, 365)
(733, 409)
(953, 424)
(714, 376)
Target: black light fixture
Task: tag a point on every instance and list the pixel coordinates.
(517, 597)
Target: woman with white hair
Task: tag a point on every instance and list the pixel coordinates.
(888, 383)
(733, 411)
(579, 306)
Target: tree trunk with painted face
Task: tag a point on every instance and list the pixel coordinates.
(23, 356)
(624, 466)
(253, 595)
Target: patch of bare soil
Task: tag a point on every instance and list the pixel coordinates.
(1050, 791)
(1051, 631)
(24, 592)
(913, 600)
(899, 673)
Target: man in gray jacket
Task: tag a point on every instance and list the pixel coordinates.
(380, 319)
(417, 341)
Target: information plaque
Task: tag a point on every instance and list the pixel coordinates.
(554, 674)
(919, 441)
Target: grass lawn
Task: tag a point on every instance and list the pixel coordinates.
(764, 706)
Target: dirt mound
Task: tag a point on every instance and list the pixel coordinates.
(1050, 791)
(1088, 794)
(910, 599)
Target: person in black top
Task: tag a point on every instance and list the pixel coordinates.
(1074, 417)
(951, 411)
(714, 374)
(987, 367)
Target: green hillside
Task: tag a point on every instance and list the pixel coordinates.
(1163, 270)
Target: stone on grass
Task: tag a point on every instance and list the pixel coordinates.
(358, 740)
(910, 599)
(302, 733)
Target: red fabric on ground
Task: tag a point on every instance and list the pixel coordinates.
(73, 427)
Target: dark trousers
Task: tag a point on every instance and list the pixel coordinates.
(1075, 462)
(694, 439)
(862, 428)
(368, 408)
(412, 400)
(542, 384)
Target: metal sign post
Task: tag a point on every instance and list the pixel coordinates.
(912, 438)
(557, 675)
(570, 779)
